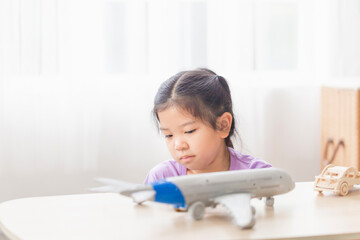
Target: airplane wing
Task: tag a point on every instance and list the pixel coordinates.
(239, 206)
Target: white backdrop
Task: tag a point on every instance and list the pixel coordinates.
(77, 81)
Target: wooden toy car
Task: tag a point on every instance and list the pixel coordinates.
(337, 179)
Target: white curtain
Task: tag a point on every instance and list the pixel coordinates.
(77, 81)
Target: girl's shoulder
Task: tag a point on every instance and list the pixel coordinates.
(165, 169)
(240, 161)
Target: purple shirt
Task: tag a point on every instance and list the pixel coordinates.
(171, 168)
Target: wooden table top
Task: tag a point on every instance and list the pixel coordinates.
(301, 213)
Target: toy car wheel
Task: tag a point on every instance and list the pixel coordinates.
(197, 210)
(253, 210)
(344, 189)
(269, 201)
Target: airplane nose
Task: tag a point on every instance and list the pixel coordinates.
(292, 185)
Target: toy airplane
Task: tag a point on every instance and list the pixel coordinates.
(233, 189)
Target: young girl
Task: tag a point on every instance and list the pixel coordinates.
(193, 110)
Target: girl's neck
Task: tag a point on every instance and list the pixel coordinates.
(221, 164)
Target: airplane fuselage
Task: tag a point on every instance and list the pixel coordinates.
(232, 189)
(182, 191)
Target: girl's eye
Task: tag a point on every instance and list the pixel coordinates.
(168, 136)
(191, 131)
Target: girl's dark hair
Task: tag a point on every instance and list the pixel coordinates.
(200, 92)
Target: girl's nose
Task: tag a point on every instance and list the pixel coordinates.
(180, 145)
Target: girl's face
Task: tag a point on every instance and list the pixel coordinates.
(191, 142)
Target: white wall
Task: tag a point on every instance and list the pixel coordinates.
(55, 140)
(281, 124)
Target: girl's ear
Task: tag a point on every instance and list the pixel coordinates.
(223, 124)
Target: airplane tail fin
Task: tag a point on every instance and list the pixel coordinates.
(138, 192)
(112, 185)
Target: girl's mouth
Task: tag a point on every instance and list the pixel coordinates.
(186, 158)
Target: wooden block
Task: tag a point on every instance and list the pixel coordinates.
(340, 116)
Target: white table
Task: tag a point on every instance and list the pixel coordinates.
(301, 213)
